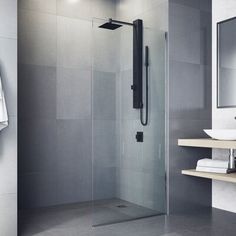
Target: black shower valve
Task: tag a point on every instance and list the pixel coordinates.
(133, 87)
(139, 137)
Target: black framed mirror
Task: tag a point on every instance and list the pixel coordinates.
(226, 63)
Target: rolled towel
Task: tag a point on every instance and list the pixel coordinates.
(206, 162)
(212, 169)
(3, 109)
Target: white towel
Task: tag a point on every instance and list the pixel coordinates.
(212, 169)
(212, 163)
(3, 109)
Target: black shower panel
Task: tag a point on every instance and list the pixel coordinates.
(137, 86)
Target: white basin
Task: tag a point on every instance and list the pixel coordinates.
(221, 134)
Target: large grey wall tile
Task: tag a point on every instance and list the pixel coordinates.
(74, 9)
(74, 43)
(154, 190)
(37, 145)
(38, 190)
(189, 3)
(37, 38)
(126, 49)
(206, 38)
(8, 217)
(131, 154)
(156, 17)
(105, 44)
(8, 18)
(128, 9)
(104, 100)
(75, 184)
(37, 88)
(73, 93)
(74, 144)
(154, 145)
(104, 159)
(48, 6)
(104, 182)
(131, 186)
(8, 73)
(103, 8)
(195, 81)
(104, 143)
(185, 34)
(8, 158)
(74, 160)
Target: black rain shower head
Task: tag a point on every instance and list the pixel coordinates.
(110, 26)
(114, 24)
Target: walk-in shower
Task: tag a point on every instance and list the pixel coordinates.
(90, 81)
(135, 164)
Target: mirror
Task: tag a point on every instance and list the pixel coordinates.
(226, 60)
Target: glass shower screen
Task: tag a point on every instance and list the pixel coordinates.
(128, 176)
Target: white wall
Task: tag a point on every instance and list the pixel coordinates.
(8, 137)
(223, 194)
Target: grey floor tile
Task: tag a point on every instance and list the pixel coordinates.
(78, 220)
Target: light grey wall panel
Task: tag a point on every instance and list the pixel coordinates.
(37, 38)
(73, 93)
(104, 101)
(8, 136)
(48, 6)
(37, 90)
(74, 43)
(8, 19)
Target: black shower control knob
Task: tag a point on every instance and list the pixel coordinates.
(139, 137)
(133, 87)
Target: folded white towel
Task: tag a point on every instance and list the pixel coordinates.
(212, 169)
(3, 109)
(206, 162)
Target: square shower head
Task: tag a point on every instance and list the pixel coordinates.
(110, 26)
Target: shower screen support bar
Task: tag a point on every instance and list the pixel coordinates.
(120, 22)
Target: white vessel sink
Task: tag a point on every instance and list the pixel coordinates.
(221, 134)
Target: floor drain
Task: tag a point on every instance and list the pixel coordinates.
(121, 206)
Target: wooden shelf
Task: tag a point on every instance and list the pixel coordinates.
(207, 143)
(221, 177)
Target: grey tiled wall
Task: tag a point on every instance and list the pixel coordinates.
(8, 136)
(60, 102)
(189, 99)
